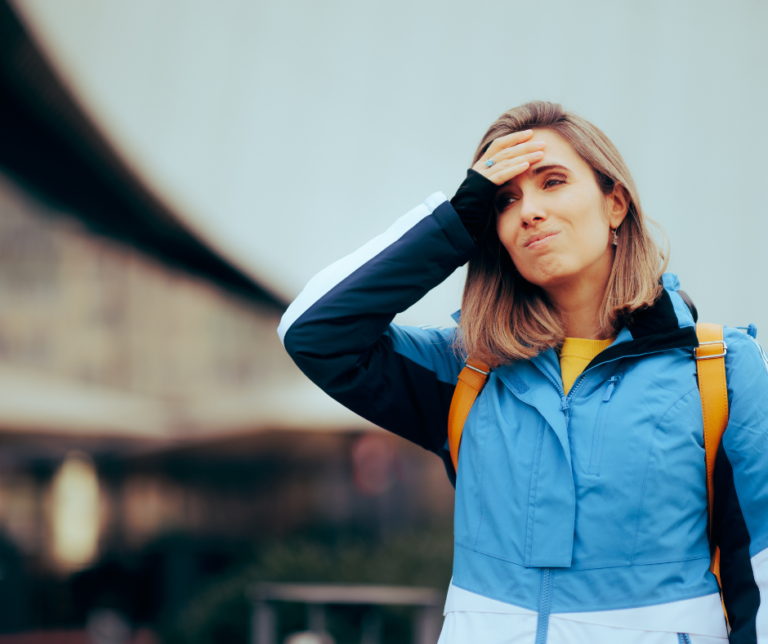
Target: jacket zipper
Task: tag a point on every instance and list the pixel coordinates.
(545, 598)
(545, 601)
(612, 382)
(596, 451)
(683, 638)
(565, 400)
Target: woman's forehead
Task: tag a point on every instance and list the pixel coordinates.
(558, 151)
(556, 144)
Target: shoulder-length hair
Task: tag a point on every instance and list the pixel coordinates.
(503, 316)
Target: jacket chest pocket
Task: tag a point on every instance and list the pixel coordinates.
(598, 429)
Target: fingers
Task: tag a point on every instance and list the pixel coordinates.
(506, 141)
(502, 172)
(517, 150)
(508, 168)
(510, 156)
(509, 172)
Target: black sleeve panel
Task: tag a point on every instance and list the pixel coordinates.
(400, 378)
(740, 592)
(473, 203)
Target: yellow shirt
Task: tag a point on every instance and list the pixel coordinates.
(575, 355)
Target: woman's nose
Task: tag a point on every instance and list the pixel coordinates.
(531, 212)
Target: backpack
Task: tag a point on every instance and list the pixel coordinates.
(710, 369)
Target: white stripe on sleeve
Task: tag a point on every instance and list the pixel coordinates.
(326, 279)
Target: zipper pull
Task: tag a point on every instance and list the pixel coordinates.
(611, 386)
(565, 404)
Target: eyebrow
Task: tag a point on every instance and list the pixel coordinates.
(539, 169)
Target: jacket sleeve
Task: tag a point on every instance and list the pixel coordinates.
(339, 330)
(740, 522)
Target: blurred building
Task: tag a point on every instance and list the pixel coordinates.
(152, 427)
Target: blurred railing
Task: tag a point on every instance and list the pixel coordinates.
(427, 601)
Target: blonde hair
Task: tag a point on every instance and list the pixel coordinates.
(503, 316)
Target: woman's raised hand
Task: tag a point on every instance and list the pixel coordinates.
(510, 156)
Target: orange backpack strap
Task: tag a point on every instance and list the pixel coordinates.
(710, 367)
(471, 381)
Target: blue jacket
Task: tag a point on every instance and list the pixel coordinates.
(594, 501)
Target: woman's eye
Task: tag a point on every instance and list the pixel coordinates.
(553, 181)
(504, 202)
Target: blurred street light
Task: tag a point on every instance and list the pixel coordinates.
(75, 512)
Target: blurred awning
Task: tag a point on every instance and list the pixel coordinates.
(99, 416)
(48, 143)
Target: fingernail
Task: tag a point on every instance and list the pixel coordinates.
(538, 155)
(541, 143)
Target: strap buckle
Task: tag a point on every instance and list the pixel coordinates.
(719, 355)
(469, 366)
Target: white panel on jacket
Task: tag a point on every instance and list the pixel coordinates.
(760, 571)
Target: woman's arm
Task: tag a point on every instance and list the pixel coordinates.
(339, 331)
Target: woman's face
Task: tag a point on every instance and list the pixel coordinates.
(554, 220)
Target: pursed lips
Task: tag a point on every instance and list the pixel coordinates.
(537, 240)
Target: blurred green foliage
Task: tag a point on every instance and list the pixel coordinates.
(221, 611)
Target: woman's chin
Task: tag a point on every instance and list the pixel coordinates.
(547, 277)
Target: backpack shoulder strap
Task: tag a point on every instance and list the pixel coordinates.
(471, 381)
(710, 368)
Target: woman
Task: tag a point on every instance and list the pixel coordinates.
(581, 512)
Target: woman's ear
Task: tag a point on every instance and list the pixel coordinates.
(617, 202)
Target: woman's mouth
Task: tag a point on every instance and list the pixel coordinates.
(540, 241)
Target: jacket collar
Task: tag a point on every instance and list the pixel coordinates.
(667, 324)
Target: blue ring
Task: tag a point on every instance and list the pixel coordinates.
(489, 163)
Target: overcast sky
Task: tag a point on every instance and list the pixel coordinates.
(289, 133)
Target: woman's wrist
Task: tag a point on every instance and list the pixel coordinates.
(473, 202)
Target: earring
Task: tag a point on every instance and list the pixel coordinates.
(615, 237)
